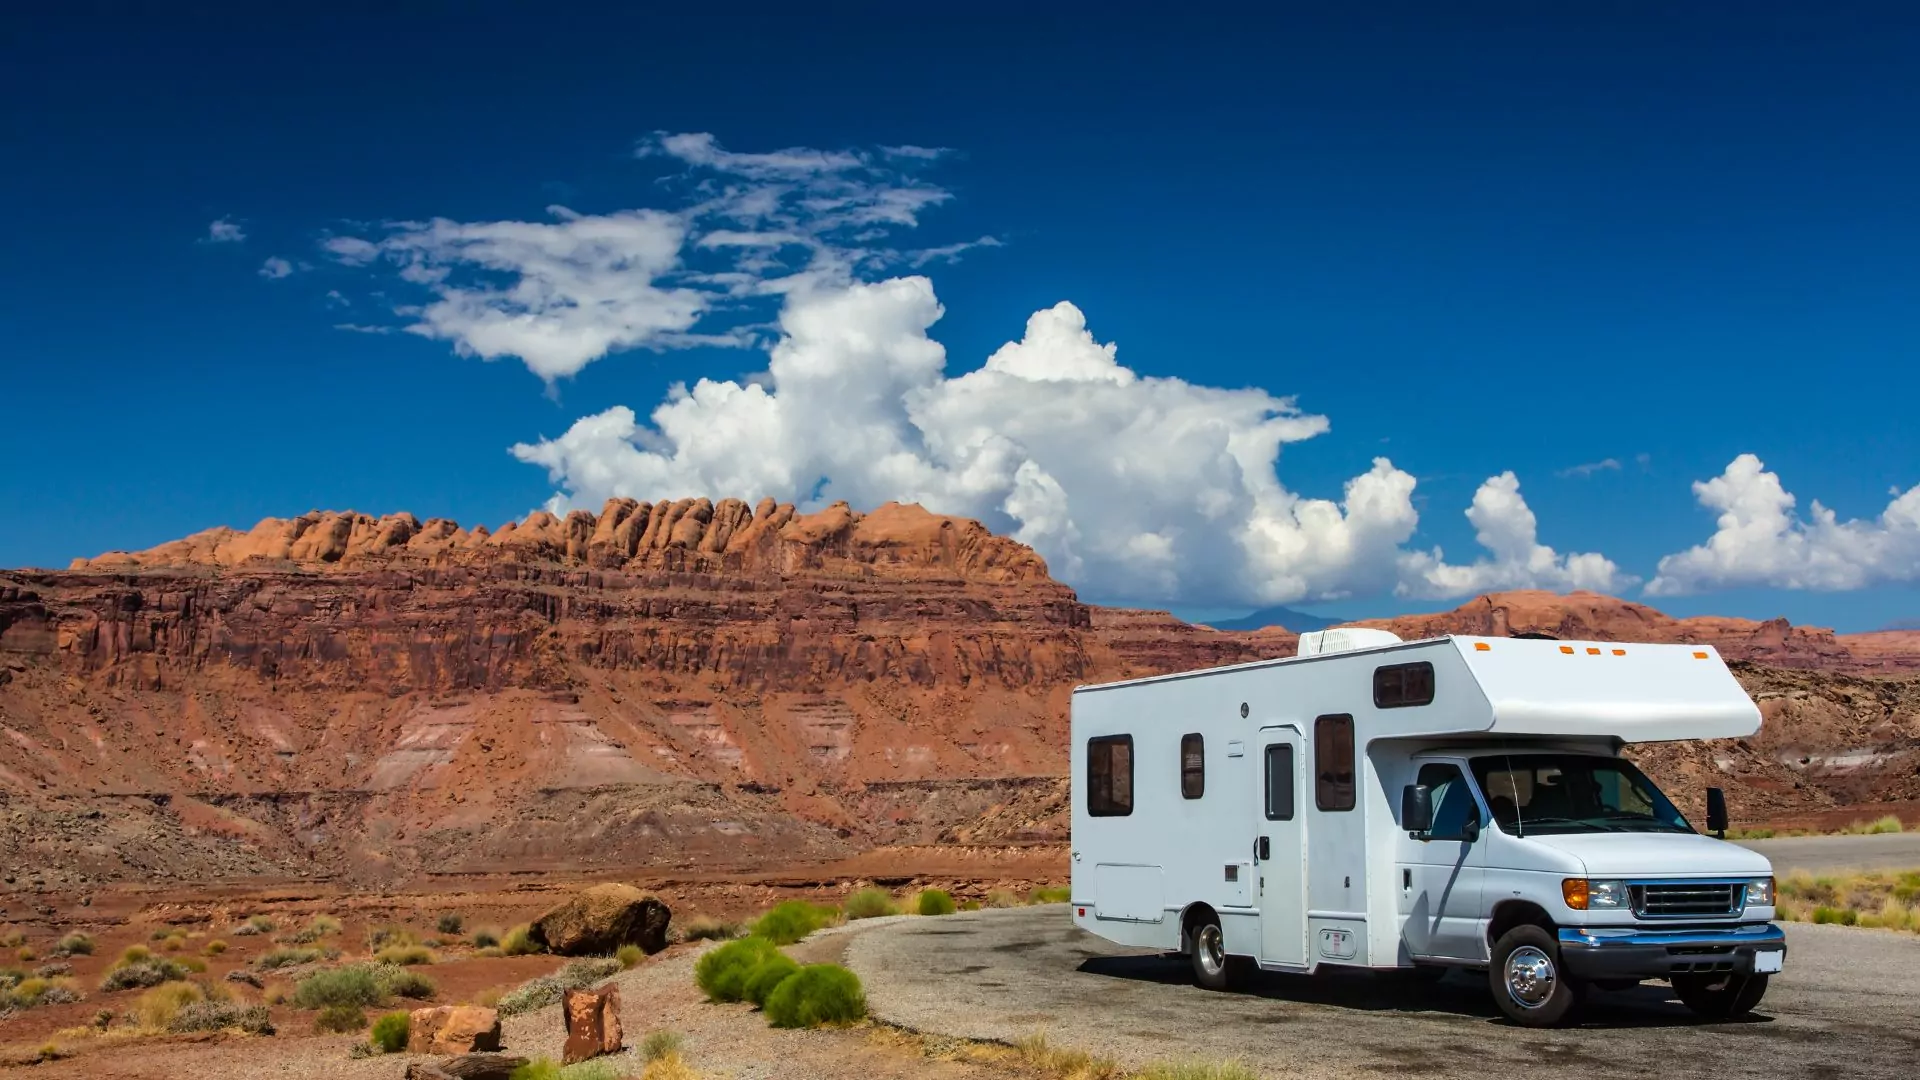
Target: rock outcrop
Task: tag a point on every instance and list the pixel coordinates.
(453, 1029)
(600, 919)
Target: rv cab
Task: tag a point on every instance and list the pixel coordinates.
(1460, 802)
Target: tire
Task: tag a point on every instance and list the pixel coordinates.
(1529, 984)
(1213, 969)
(1720, 996)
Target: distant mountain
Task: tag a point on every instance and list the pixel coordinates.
(1286, 618)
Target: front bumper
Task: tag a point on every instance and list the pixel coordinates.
(1635, 953)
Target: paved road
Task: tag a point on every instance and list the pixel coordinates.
(1847, 1006)
(1888, 851)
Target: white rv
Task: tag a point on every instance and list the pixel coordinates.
(1453, 803)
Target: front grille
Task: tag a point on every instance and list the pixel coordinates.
(1681, 898)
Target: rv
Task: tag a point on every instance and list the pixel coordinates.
(1424, 806)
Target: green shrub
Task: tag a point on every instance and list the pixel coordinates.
(722, 973)
(158, 1007)
(27, 993)
(221, 1016)
(629, 955)
(537, 1069)
(791, 921)
(1045, 895)
(215, 947)
(405, 982)
(659, 1044)
(12, 939)
(519, 942)
(705, 928)
(356, 985)
(935, 902)
(548, 989)
(449, 923)
(135, 954)
(340, 1019)
(817, 994)
(1001, 898)
(870, 904)
(259, 924)
(486, 939)
(382, 936)
(76, 945)
(1836, 915)
(771, 972)
(161, 934)
(149, 972)
(389, 1035)
(404, 955)
(285, 957)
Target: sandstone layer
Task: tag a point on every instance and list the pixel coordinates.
(677, 685)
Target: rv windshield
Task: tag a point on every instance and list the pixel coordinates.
(1572, 793)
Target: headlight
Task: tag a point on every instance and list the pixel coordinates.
(1584, 895)
(1760, 892)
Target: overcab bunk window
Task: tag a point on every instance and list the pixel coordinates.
(1333, 787)
(1110, 776)
(1193, 766)
(1397, 686)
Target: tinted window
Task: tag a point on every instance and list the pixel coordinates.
(1193, 766)
(1280, 783)
(1333, 786)
(1397, 686)
(1453, 804)
(1110, 776)
(1572, 793)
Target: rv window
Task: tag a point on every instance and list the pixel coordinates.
(1193, 766)
(1453, 803)
(1280, 782)
(1397, 686)
(1333, 787)
(1110, 776)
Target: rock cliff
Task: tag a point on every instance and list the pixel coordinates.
(680, 684)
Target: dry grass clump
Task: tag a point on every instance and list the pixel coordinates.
(1195, 1069)
(519, 942)
(869, 904)
(629, 956)
(404, 955)
(1064, 1062)
(547, 989)
(707, 928)
(1887, 900)
(659, 1044)
(258, 924)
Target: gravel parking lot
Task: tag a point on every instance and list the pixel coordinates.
(1847, 1006)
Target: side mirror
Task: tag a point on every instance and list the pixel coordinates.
(1416, 808)
(1717, 812)
(1470, 829)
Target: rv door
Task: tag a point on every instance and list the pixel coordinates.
(1280, 850)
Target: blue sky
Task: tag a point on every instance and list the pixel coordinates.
(1510, 238)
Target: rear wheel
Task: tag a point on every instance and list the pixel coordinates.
(1724, 996)
(1212, 968)
(1527, 981)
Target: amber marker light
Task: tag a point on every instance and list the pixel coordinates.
(1574, 891)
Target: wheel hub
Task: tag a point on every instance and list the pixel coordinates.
(1530, 977)
(1210, 949)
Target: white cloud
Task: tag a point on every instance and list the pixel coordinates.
(949, 253)
(1589, 468)
(1132, 487)
(275, 267)
(224, 231)
(1504, 524)
(1760, 541)
(561, 294)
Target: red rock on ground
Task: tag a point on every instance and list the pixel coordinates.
(453, 1029)
(593, 1023)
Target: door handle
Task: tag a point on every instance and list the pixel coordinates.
(1262, 849)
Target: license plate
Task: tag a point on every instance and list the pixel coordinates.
(1768, 962)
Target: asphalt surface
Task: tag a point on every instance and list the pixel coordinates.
(1824, 854)
(1848, 1005)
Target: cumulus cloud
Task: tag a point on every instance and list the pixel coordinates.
(1133, 487)
(224, 231)
(275, 267)
(1504, 524)
(1761, 541)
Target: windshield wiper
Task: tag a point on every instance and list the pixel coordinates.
(1531, 822)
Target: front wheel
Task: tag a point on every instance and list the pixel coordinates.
(1527, 980)
(1721, 996)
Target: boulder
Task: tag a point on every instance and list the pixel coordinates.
(601, 919)
(452, 1029)
(593, 1023)
(466, 1067)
